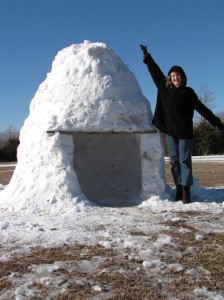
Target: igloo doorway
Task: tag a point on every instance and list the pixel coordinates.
(108, 165)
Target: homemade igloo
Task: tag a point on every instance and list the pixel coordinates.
(88, 137)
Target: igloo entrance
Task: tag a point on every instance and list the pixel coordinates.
(108, 166)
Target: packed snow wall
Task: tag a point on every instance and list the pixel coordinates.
(88, 137)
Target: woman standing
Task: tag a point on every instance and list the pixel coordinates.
(174, 116)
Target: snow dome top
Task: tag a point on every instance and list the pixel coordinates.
(90, 89)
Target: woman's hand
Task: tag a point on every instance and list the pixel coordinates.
(144, 49)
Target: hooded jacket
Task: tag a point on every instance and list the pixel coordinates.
(175, 105)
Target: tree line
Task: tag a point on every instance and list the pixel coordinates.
(9, 142)
(207, 139)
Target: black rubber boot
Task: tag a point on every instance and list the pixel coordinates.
(179, 192)
(186, 194)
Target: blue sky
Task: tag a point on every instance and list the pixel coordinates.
(188, 33)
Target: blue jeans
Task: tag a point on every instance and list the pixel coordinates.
(180, 151)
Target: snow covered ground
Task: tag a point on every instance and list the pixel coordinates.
(147, 238)
(209, 158)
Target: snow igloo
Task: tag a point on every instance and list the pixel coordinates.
(88, 137)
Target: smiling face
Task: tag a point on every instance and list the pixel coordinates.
(176, 78)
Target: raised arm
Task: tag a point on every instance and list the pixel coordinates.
(155, 71)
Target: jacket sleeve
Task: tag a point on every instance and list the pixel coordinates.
(155, 71)
(206, 112)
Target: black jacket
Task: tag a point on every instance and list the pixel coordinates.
(175, 106)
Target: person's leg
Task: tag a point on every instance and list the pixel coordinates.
(173, 152)
(185, 153)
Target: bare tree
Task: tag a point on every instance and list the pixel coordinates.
(207, 98)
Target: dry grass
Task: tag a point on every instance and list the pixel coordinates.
(117, 276)
(121, 277)
(203, 259)
(209, 174)
(6, 173)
